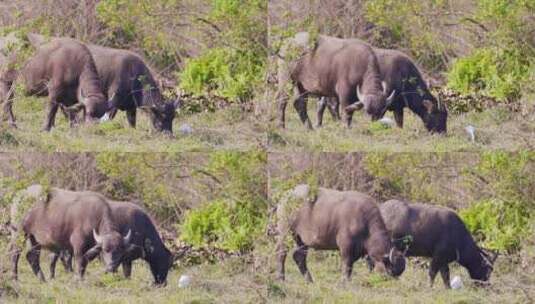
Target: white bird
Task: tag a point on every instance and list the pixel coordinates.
(387, 121)
(471, 130)
(185, 129)
(456, 283)
(184, 281)
(104, 118)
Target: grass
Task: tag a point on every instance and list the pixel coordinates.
(225, 129)
(250, 280)
(495, 129)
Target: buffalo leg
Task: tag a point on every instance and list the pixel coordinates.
(300, 258)
(131, 117)
(282, 252)
(33, 259)
(53, 260)
(398, 116)
(370, 263)
(436, 265)
(300, 105)
(348, 258)
(345, 98)
(15, 252)
(334, 108)
(445, 273)
(281, 105)
(127, 269)
(51, 116)
(66, 260)
(322, 104)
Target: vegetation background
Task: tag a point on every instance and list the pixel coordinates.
(478, 55)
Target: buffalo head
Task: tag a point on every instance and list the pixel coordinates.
(436, 116)
(392, 263)
(162, 115)
(374, 104)
(482, 268)
(160, 260)
(112, 246)
(93, 106)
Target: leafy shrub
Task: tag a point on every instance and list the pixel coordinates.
(225, 72)
(497, 224)
(224, 225)
(498, 73)
(237, 216)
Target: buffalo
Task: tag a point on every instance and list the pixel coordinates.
(402, 76)
(342, 68)
(131, 217)
(128, 83)
(438, 233)
(59, 220)
(347, 221)
(64, 70)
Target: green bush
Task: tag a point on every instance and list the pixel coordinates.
(499, 73)
(223, 224)
(497, 224)
(237, 216)
(225, 72)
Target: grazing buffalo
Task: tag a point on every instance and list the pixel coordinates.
(130, 217)
(401, 75)
(347, 221)
(59, 220)
(128, 84)
(333, 67)
(440, 234)
(64, 70)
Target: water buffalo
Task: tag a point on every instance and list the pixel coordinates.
(440, 234)
(347, 221)
(131, 217)
(401, 75)
(342, 68)
(64, 70)
(79, 222)
(128, 84)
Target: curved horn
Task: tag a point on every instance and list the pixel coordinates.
(359, 95)
(97, 237)
(390, 255)
(383, 84)
(128, 237)
(390, 98)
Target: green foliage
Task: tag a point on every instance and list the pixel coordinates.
(497, 224)
(237, 216)
(134, 175)
(410, 30)
(225, 72)
(223, 224)
(499, 73)
(140, 23)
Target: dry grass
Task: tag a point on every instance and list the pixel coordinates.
(225, 129)
(495, 129)
(235, 281)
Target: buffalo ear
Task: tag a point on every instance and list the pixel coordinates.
(134, 251)
(92, 253)
(147, 245)
(428, 104)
